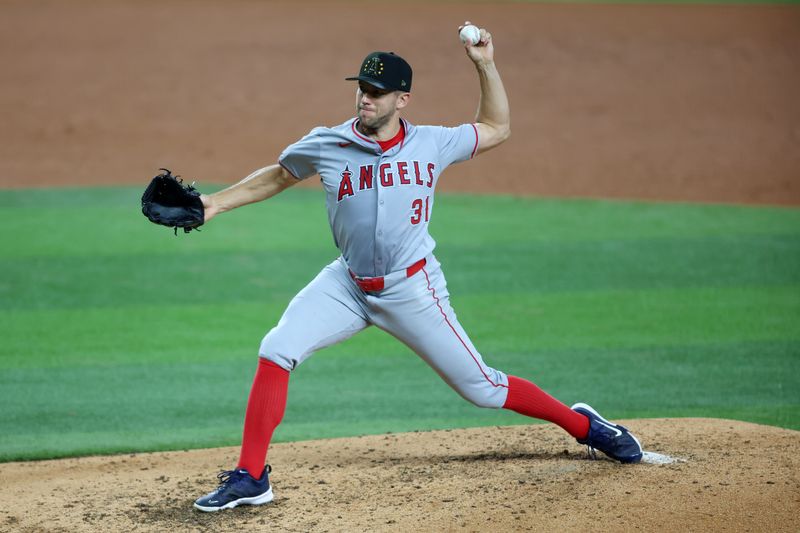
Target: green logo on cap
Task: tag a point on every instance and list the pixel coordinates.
(373, 66)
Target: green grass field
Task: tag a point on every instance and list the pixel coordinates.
(118, 336)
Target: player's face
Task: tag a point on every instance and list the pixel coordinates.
(377, 107)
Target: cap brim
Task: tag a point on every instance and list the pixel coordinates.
(371, 81)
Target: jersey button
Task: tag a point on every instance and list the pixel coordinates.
(381, 202)
(380, 232)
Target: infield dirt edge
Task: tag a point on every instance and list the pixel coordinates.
(733, 476)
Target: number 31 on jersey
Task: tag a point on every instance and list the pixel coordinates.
(420, 210)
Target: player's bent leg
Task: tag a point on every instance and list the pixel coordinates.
(323, 313)
(437, 336)
(428, 325)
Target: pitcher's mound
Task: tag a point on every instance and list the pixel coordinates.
(698, 475)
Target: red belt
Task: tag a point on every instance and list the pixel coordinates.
(377, 284)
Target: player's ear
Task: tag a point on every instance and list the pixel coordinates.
(402, 100)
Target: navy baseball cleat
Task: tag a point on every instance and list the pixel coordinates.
(237, 487)
(612, 439)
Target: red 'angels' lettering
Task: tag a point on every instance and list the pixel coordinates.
(402, 172)
(387, 179)
(417, 174)
(386, 174)
(345, 186)
(365, 179)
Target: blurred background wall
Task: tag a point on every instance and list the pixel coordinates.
(681, 102)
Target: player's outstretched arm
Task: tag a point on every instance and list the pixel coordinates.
(262, 184)
(494, 118)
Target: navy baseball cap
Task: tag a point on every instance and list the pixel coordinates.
(385, 70)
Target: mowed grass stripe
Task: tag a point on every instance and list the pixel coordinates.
(507, 321)
(82, 410)
(70, 222)
(197, 278)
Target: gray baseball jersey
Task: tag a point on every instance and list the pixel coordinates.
(379, 207)
(379, 204)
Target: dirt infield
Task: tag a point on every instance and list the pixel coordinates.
(660, 102)
(731, 476)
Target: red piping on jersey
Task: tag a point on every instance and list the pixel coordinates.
(353, 126)
(474, 127)
(398, 138)
(388, 144)
(436, 299)
(404, 125)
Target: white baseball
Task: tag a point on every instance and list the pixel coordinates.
(470, 34)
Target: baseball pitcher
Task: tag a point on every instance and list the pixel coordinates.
(380, 173)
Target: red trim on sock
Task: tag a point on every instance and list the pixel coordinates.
(527, 399)
(265, 408)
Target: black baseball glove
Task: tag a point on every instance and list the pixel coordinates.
(167, 201)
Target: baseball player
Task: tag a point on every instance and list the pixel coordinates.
(380, 173)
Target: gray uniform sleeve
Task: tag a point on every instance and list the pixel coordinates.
(457, 144)
(301, 159)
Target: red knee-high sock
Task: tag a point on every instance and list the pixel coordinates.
(265, 408)
(527, 399)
